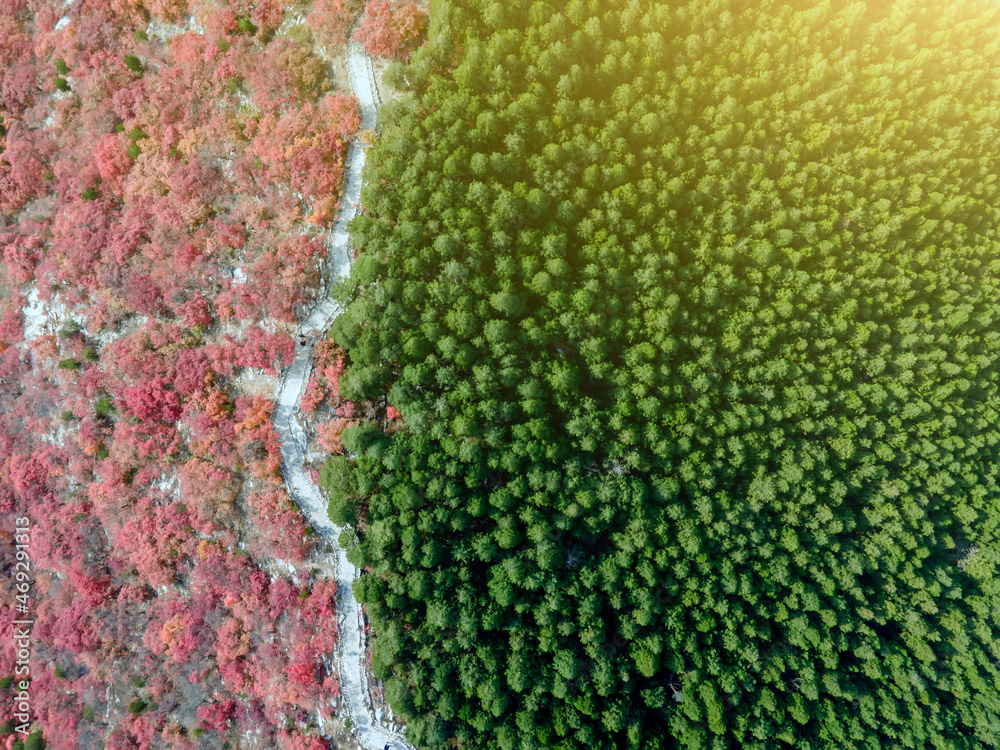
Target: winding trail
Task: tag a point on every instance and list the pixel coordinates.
(353, 674)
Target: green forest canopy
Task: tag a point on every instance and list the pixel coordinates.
(691, 313)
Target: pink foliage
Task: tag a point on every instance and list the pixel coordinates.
(313, 396)
(18, 84)
(281, 530)
(193, 369)
(329, 361)
(153, 401)
(72, 629)
(222, 22)
(216, 716)
(152, 538)
(144, 295)
(154, 485)
(329, 434)
(29, 475)
(168, 10)
(265, 350)
(110, 157)
(207, 489)
(20, 253)
(133, 733)
(256, 439)
(295, 265)
(268, 14)
(144, 354)
(330, 21)
(127, 100)
(293, 740)
(195, 312)
(390, 28)
(11, 322)
(20, 166)
(305, 148)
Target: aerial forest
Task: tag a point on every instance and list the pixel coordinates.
(682, 320)
(169, 171)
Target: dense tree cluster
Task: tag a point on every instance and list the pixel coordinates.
(168, 169)
(690, 311)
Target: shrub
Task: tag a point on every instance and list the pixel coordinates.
(69, 329)
(103, 407)
(246, 26)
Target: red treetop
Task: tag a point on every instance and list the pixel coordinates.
(152, 401)
(330, 21)
(391, 28)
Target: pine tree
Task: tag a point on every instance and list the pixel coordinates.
(693, 346)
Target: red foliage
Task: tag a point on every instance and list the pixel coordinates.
(110, 157)
(20, 165)
(330, 21)
(390, 28)
(18, 83)
(268, 14)
(281, 530)
(11, 322)
(265, 350)
(153, 538)
(20, 253)
(152, 480)
(30, 475)
(152, 401)
(291, 740)
(329, 363)
(303, 674)
(305, 148)
(329, 434)
(314, 395)
(216, 716)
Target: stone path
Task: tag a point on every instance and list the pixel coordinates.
(350, 658)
